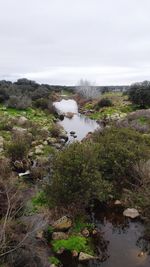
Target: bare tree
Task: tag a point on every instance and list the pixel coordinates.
(86, 89)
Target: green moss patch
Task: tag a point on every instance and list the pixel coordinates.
(77, 243)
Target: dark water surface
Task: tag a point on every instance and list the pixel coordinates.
(124, 235)
(125, 239)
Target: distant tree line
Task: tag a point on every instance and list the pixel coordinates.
(23, 93)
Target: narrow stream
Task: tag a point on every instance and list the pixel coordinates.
(126, 248)
(79, 124)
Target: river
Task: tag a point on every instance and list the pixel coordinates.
(80, 124)
(126, 247)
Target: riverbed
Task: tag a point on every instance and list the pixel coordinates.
(126, 248)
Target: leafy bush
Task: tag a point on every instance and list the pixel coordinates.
(17, 149)
(76, 177)
(139, 93)
(55, 130)
(39, 199)
(104, 102)
(77, 243)
(41, 103)
(3, 95)
(80, 224)
(19, 102)
(119, 150)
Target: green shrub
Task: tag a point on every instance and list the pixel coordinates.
(39, 199)
(80, 224)
(17, 149)
(19, 102)
(76, 177)
(55, 130)
(139, 94)
(104, 102)
(119, 150)
(77, 243)
(41, 103)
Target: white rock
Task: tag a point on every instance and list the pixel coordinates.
(22, 121)
(63, 223)
(117, 202)
(132, 213)
(85, 257)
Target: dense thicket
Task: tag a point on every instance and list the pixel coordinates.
(76, 177)
(86, 170)
(28, 88)
(139, 94)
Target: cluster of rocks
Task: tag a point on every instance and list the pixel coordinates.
(62, 231)
(73, 134)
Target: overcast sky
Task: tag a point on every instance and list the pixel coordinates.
(62, 41)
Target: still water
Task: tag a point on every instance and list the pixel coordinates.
(80, 124)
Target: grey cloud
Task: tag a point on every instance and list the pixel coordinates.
(50, 40)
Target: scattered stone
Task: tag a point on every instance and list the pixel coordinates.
(64, 136)
(61, 117)
(117, 202)
(72, 132)
(19, 130)
(85, 232)
(95, 232)
(60, 251)
(75, 136)
(58, 146)
(132, 213)
(59, 236)
(62, 141)
(51, 140)
(45, 143)
(74, 253)
(39, 149)
(22, 121)
(85, 257)
(141, 254)
(63, 223)
(30, 155)
(40, 234)
(69, 115)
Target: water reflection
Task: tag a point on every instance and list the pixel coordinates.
(80, 124)
(125, 238)
(65, 106)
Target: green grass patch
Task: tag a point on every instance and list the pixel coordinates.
(39, 200)
(35, 115)
(54, 260)
(77, 243)
(89, 106)
(143, 120)
(81, 224)
(48, 150)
